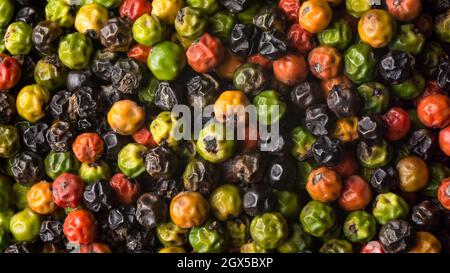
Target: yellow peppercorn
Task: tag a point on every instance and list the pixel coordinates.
(91, 17)
(126, 117)
(167, 10)
(31, 101)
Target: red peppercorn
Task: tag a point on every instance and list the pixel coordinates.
(134, 9)
(139, 52)
(290, 8)
(397, 123)
(67, 190)
(444, 140)
(126, 191)
(347, 167)
(434, 111)
(88, 147)
(431, 88)
(373, 247)
(444, 193)
(79, 227)
(300, 38)
(356, 194)
(10, 72)
(290, 69)
(144, 136)
(261, 60)
(205, 53)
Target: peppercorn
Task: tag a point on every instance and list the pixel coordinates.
(258, 199)
(167, 95)
(248, 167)
(327, 151)
(318, 120)
(397, 236)
(200, 176)
(384, 179)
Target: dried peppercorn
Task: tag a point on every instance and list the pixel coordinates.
(443, 76)
(45, 36)
(429, 59)
(161, 162)
(444, 193)
(314, 16)
(374, 97)
(306, 94)
(7, 108)
(360, 63)
(166, 60)
(396, 67)
(127, 75)
(374, 155)
(411, 88)
(189, 209)
(444, 140)
(346, 129)
(149, 30)
(59, 12)
(317, 218)
(405, 10)
(408, 39)
(356, 194)
(127, 190)
(324, 185)
(29, 15)
(40, 198)
(67, 190)
(30, 102)
(389, 207)
(9, 141)
(102, 64)
(359, 226)
(302, 143)
(167, 95)
(88, 147)
(7, 12)
(139, 52)
(151, 210)
(94, 171)
(50, 73)
(397, 236)
(290, 69)
(258, 199)
(434, 111)
(371, 128)
(300, 38)
(18, 38)
(226, 202)
(327, 151)
(51, 231)
(126, 117)
(318, 120)
(269, 230)
(397, 123)
(163, 128)
(10, 72)
(202, 90)
(290, 9)
(422, 143)
(425, 215)
(245, 39)
(325, 62)
(338, 35)
(75, 51)
(270, 108)
(248, 167)
(336, 246)
(199, 175)
(27, 168)
(212, 144)
(344, 102)
(384, 179)
(272, 45)
(376, 28)
(79, 227)
(59, 136)
(99, 196)
(426, 243)
(57, 163)
(90, 18)
(78, 79)
(205, 53)
(209, 238)
(130, 159)
(282, 172)
(24, 225)
(134, 9)
(144, 136)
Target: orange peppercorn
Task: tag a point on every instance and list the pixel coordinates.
(40, 198)
(444, 140)
(189, 209)
(230, 104)
(315, 15)
(88, 147)
(444, 193)
(79, 227)
(126, 117)
(434, 111)
(325, 62)
(426, 243)
(356, 194)
(404, 10)
(324, 185)
(290, 69)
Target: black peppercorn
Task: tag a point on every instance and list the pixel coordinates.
(425, 215)
(371, 128)
(318, 120)
(28, 168)
(306, 94)
(51, 231)
(167, 188)
(248, 167)
(102, 64)
(121, 218)
(127, 75)
(29, 15)
(59, 104)
(99, 196)
(384, 179)
(84, 104)
(396, 67)
(236, 6)
(59, 136)
(327, 151)
(7, 108)
(202, 90)
(141, 241)
(245, 39)
(167, 95)
(270, 18)
(272, 45)
(422, 143)
(282, 173)
(397, 236)
(344, 101)
(151, 210)
(201, 176)
(443, 76)
(34, 138)
(20, 247)
(113, 144)
(161, 162)
(45, 37)
(116, 34)
(259, 199)
(110, 95)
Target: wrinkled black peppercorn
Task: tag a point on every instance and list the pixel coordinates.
(344, 101)
(327, 151)
(113, 144)
(396, 67)
(236, 6)
(99, 196)
(202, 90)
(116, 34)
(249, 167)
(201, 176)
(245, 39)
(102, 64)
(150, 210)
(384, 179)
(7, 108)
(425, 215)
(423, 143)
(28, 168)
(371, 128)
(306, 94)
(59, 104)
(167, 95)
(127, 75)
(51, 231)
(45, 37)
(59, 136)
(272, 45)
(397, 236)
(34, 138)
(161, 162)
(77, 79)
(318, 120)
(259, 199)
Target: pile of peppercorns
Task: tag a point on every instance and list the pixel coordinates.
(89, 159)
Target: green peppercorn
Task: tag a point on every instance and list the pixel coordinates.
(360, 64)
(442, 27)
(438, 172)
(357, 8)
(18, 38)
(166, 60)
(317, 218)
(302, 141)
(375, 98)
(359, 227)
(60, 12)
(288, 204)
(147, 93)
(50, 73)
(186, 151)
(209, 238)
(75, 51)
(374, 155)
(5, 193)
(57, 163)
(108, 3)
(221, 24)
(336, 246)
(212, 144)
(252, 247)
(163, 128)
(190, 22)
(389, 206)
(131, 159)
(250, 78)
(338, 34)
(238, 231)
(226, 202)
(408, 39)
(246, 16)
(149, 30)
(90, 173)
(25, 225)
(9, 141)
(5, 218)
(270, 108)
(297, 241)
(170, 234)
(411, 88)
(2, 40)
(305, 168)
(269, 230)
(6, 12)
(20, 195)
(206, 6)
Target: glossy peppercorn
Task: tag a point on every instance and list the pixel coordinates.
(444, 193)
(130, 159)
(92, 172)
(24, 225)
(10, 72)
(356, 194)
(396, 67)
(376, 28)
(269, 230)
(434, 111)
(374, 98)
(27, 168)
(151, 210)
(314, 16)
(359, 226)
(319, 120)
(250, 78)
(397, 123)
(282, 172)
(79, 227)
(306, 94)
(258, 199)
(384, 179)
(425, 215)
(209, 238)
(290, 69)
(300, 38)
(397, 236)
(388, 207)
(317, 218)
(189, 209)
(411, 88)
(360, 63)
(344, 102)
(325, 62)
(244, 39)
(226, 202)
(324, 185)
(327, 151)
